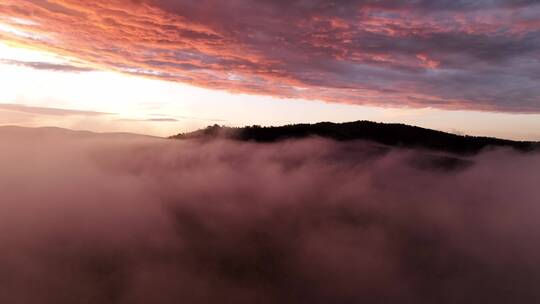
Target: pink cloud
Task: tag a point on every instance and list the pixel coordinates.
(479, 54)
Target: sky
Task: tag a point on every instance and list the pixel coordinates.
(160, 67)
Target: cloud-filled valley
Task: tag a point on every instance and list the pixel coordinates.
(88, 218)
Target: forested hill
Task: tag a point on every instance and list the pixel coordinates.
(389, 134)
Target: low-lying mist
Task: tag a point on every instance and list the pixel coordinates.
(87, 218)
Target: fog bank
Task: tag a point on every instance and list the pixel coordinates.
(88, 218)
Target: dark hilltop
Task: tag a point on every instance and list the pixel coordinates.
(396, 135)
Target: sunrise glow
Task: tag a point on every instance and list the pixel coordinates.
(157, 67)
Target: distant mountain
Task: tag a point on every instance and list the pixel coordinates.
(398, 135)
(61, 133)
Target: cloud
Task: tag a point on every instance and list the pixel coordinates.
(127, 219)
(47, 66)
(446, 54)
(150, 120)
(162, 118)
(48, 111)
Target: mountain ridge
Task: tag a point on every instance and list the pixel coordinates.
(397, 135)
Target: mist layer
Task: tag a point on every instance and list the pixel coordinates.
(87, 218)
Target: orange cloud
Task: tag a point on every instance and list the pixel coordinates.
(363, 52)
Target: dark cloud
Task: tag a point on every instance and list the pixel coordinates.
(127, 219)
